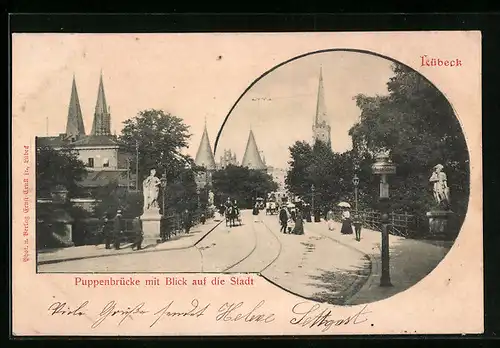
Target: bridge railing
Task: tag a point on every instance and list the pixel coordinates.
(400, 224)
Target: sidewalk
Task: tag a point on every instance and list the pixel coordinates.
(180, 241)
(410, 260)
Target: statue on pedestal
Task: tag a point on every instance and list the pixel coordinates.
(440, 186)
(210, 198)
(150, 189)
(438, 218)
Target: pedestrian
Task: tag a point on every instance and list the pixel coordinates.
(203, 219)
(117, 229)
(187, 221)
(107, 232)
(256, 209)
(357, 226)
(317, 215)
(138, 234)
(283, 217)
(299, 223)
(346, 222)
(329, 218)
(293, 215)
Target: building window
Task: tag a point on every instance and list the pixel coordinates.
(105, 162)
(90, 162)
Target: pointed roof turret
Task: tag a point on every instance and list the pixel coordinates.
(251, 158)
(204, 156)
(102, 119)
(101, 106)
(74, 125)
(321, 116)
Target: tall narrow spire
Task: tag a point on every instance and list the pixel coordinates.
(321, 116)
(74, 125)
(251, 158)
(102, 118)
(321, 127)
(205, 156)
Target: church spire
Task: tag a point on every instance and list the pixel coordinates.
(74, 125)
(102, 118)
(321, 126)
(251, 158)
(321, 116)
(204, 156)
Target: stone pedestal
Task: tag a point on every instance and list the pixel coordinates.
(151, 221)
(63, 228)
(438, 223)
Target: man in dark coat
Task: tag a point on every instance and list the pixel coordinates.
(283, 216)
(187, 223)
(138, 235)
(117, 229)
(317, 215)
(107, 232)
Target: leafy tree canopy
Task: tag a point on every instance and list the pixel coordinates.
(242, 184)
(159, 138)
(58, 168)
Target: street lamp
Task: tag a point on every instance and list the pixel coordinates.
(163, 184)
(384, 167)
(312, 201)
(355, 182)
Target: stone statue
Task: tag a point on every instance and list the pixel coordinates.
(150, 191)
(210, 198)
(440, 185)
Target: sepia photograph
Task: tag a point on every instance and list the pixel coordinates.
(247, 183)
(333, 174)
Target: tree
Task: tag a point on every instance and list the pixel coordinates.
(418, 125)
(58, 168)
(242, 184)
(298, 179)
(159, 138)
(112, 197)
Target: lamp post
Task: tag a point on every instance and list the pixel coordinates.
(163, 184)
(384, 167)
(355, 182)
(312, 198)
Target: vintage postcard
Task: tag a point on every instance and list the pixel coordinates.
(247, 184)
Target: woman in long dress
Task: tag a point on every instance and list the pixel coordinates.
(299, 223)
(346, 222)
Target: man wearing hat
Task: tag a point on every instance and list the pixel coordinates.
(117, 229)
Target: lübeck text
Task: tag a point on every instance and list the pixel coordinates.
(427, 61)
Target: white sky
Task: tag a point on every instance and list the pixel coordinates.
(182, 74)
(292, 88)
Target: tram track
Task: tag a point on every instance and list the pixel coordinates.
(258, 245)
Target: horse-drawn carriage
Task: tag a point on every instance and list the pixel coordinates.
(260, 203)
(233, 216)
(271, 208)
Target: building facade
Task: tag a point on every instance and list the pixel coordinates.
(103, 156)
(228, 158)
